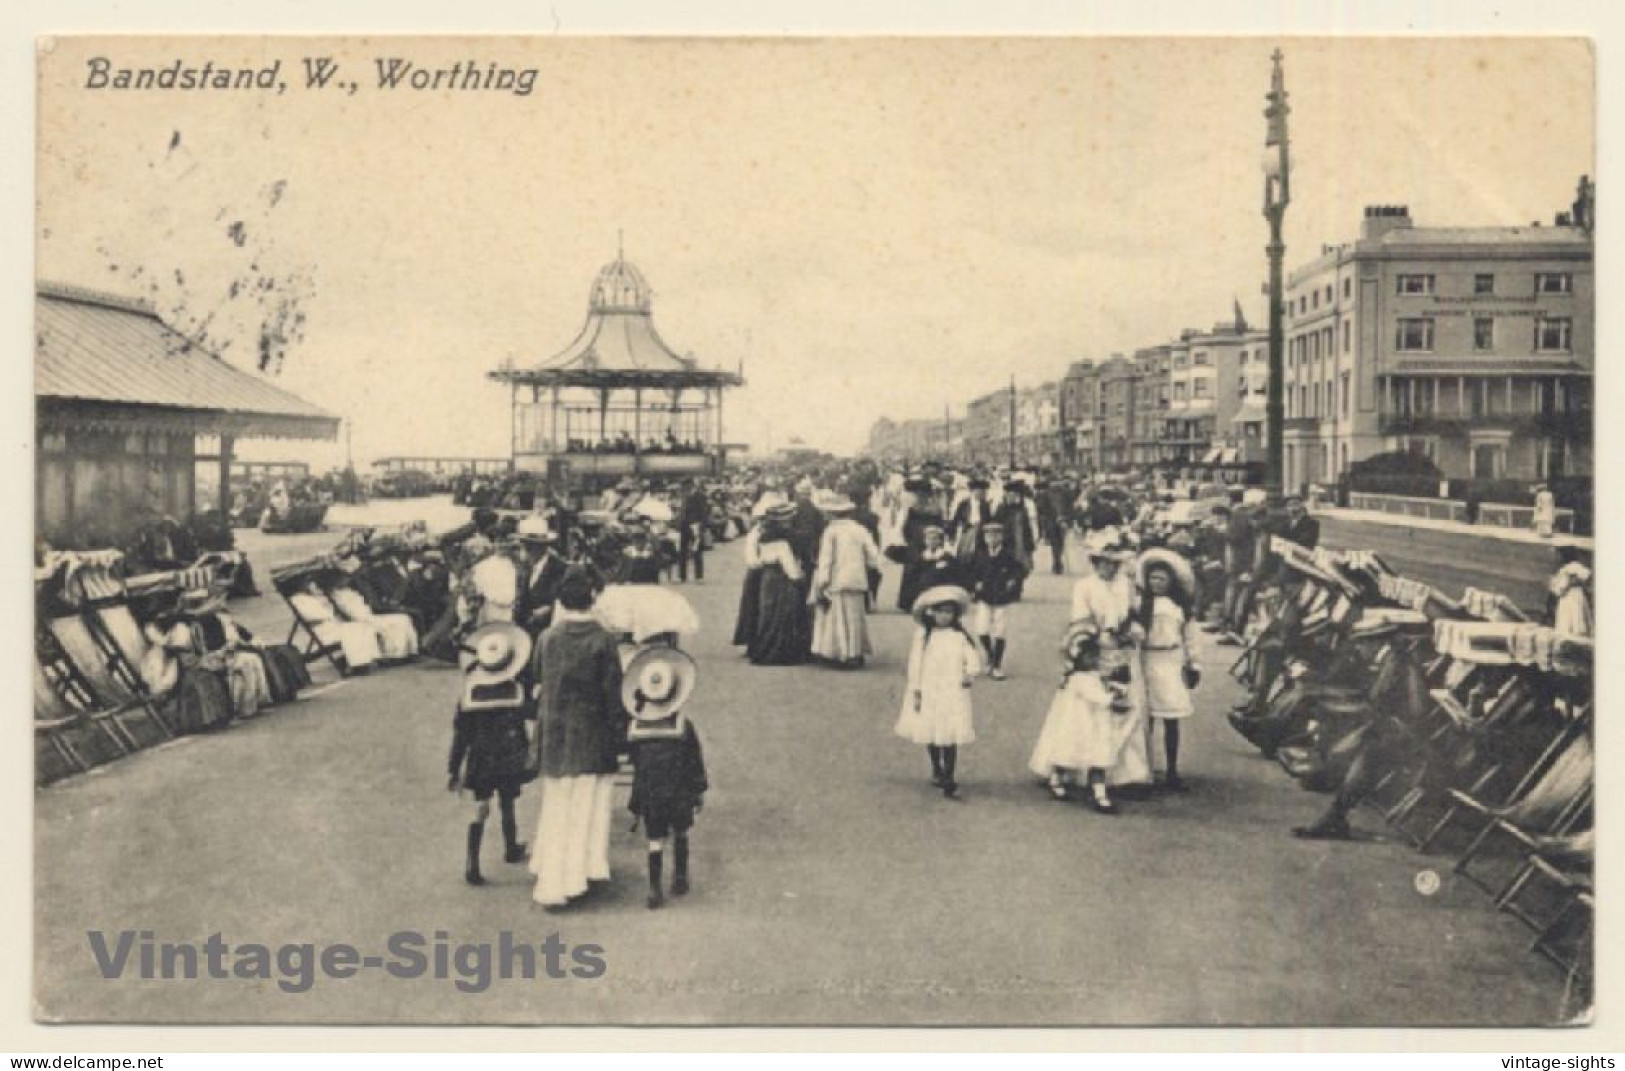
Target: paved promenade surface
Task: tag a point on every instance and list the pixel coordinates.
(832, 884)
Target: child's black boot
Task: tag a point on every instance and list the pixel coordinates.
(679, 878)
(471, 872)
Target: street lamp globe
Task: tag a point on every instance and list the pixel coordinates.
(1272, 161)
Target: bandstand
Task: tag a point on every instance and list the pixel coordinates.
(617, 402)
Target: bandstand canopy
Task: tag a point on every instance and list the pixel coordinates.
(618, 346)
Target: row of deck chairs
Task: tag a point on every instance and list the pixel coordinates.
(1464, 724)
(92, 703)
(375, 545)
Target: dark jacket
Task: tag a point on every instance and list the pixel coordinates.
(996, 578)
(539, 589)
(668, 771)
(581, 725)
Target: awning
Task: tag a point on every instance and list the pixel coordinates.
(1479, 366)
(108, 363)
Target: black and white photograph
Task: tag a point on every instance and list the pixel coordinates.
(914, 531)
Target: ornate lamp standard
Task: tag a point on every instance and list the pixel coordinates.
(1277, 193)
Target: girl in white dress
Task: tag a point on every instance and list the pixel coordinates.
(942, 663)
(1168, 654)
(1086, 725)
(1107, 600)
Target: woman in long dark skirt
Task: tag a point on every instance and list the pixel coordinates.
(750, 592)
(919, 554)
(783, 625)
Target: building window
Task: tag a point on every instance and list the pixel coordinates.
(1315, 302)
(1328, 293)
(1199, 358)
(1242, 360)
(1415, 284)
(1199, 388)
(1483, 333)
(1261, 386)
(1414, 336)
(1348, 288)
(1348, 334)
(1179, 392)
(1552, 335)
(1560, 282)
(1241, 387)
(1483, 284)
(1345, 402)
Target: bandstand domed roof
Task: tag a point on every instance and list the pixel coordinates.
(620, 287)
(618, 345)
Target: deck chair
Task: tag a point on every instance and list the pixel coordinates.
(288, 581)
(1558, 875)
(63, 708)
(1554, 803)
(97, 588)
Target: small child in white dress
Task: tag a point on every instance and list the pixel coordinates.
(942, 663)
(1087, 726)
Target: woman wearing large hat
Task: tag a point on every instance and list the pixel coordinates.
(1107, 600)
(489, 747)
(921, 549)
(840, 586)
(782, 633)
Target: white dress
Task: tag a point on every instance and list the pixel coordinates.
(937, 669)
(1080, 732)
(397, 636)
(359, 642)
(1163, 656)
(1108, 605)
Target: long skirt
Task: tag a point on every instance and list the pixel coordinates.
(914, 580)
(572, 836)
(1133, 765)
(840, 630)
(285, 671)
(397, 636)
(749, 596)
(358, 641)
(783, 626)
(250, 685)
(202, 700)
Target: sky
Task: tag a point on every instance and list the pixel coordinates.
(881, 227)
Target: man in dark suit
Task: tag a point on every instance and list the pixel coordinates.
(540, 573)
(691, 520)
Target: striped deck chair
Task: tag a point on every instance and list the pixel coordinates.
(1552, 894)
(95, 584)
(288, 580)
(69, 736)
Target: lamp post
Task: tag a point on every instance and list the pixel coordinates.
(1277, 193)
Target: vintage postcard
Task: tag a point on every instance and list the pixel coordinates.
(1049, 531)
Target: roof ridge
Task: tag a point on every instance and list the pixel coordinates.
(85, 295)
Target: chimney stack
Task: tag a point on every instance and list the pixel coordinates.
(1380, 219)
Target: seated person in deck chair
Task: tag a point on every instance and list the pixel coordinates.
(397, 636)
(358, 641)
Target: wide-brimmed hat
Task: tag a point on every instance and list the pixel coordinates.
(780, 511)
(1079, 635)
(766, 503)
(535, 529)
(653, 509)
(1109, 544)
(657, 682)
(1178, 568)
(831, 502)
(499, 651)
(937, 596)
